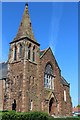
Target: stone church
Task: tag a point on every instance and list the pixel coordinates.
(34, 78)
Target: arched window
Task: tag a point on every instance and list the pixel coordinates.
(20, 51)
(15, 53)
(29, 51)
(33, 53)
(48, 77)
(31, 105)
(30, 80)
(65, 95)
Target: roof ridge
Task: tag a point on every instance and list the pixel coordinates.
(3, 62)
(44, 52)
(44, 49)
(65, 82)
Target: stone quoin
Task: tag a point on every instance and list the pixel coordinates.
(34, 78)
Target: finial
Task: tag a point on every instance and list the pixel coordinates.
(26, 4)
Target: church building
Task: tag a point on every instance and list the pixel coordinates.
(34, 79)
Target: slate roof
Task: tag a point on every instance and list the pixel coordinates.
(41, 52)
(64, 82)
(3, 70)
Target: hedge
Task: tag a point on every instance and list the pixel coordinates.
(12, 115)
(64, 118)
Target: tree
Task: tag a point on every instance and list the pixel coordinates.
(78, 105)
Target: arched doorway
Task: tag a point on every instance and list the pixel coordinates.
(14, 105)
(52, 106)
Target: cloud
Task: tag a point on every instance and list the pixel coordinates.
(75, 101)
(55, 25)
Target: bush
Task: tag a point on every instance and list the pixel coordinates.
(67, 118)
(12, 115)
(24, 116)
(9, 115)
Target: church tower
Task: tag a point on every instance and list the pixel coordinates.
(34, 80)
(22, 79)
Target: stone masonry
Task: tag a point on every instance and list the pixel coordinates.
(34, 78)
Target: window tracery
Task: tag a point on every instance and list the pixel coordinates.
(48, 77)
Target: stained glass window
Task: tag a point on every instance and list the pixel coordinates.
(48, 77)
(49, 70)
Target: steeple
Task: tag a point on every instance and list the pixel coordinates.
(25, 28)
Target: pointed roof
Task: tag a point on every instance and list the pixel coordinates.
(64, 82)
(76, 110)
(25, 28)
(41, 52)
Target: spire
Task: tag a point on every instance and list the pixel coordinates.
(25, 28)
(26, 4)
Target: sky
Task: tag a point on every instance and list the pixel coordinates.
(55, 25)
